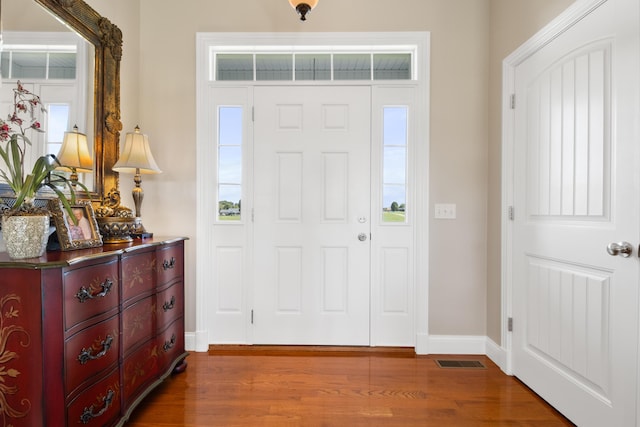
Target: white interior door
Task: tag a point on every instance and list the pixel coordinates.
(575, 308)
(311, 215)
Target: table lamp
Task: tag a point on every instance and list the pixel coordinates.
(74, 155)
(136, 158)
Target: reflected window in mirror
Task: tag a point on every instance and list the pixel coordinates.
(37, 62)
(57, 124)
(58, 67)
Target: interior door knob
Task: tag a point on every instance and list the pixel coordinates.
(624, 249)
(362, 237)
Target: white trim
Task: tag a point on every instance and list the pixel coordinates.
(203, 151)
(497, 354)
(197, 341)
(576, 12)
(190, 341)
(205, 43)
(441, 344)
(457, 344)
(422, 342)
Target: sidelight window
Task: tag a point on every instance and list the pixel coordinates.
(229, 163)
(394, 164)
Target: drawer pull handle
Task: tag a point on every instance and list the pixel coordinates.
(168, 305)
(168, 345)
(167, 265)
(85, 294)
(85, 355)
(88, 414)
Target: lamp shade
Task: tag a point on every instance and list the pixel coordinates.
(136, 155)
(74, 153)
(310, 3)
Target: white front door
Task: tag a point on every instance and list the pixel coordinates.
(576, 175)
(311, 215)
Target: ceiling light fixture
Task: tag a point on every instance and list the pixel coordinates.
(303, 7)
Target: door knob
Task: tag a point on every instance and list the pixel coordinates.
(362, 237)
(624, 249)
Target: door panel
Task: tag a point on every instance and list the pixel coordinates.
(574, 306)
(311, 186)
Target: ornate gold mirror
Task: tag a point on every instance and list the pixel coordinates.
(106, 39)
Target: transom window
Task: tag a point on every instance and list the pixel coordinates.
(312, 66)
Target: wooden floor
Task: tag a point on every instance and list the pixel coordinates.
(329, 387)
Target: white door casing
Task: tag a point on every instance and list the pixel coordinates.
(224, 252)
(311, 186)
(575, 173)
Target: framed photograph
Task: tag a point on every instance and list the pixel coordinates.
(73, 236)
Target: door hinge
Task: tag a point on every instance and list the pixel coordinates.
(513, 101)
(510, 324)
(253, 114)
(511, 213)
(252, 317)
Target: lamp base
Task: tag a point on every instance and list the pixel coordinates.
(145, 235)
(139, 231)
(116, 229)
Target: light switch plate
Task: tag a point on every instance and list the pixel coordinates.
(445, 211)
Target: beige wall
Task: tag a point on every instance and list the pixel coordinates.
(468, 40)
(18, 15)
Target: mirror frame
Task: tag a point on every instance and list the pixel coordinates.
(107, 41)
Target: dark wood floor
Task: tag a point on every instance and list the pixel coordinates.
(331, 387)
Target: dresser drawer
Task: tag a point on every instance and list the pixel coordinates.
(170, 344)
(139, 369)
(170, 304)
(138, 274)
(137, 323)
(91, 351)
(90, 291)
(170, 263)
(98, 405)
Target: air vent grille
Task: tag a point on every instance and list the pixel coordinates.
(465, 364)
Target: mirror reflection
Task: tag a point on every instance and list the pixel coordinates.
(53, 62)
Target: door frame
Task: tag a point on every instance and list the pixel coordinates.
(205, 209)
(574, 14)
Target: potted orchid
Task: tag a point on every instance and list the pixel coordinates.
(21, 214)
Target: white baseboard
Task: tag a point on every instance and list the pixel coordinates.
(196, 341)
(189, 341)
(457, 344)
(422, 344)
(425, 344)
(497, 354)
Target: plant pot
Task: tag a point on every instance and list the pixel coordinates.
(25, 236)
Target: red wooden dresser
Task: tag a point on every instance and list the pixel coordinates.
(86, 335)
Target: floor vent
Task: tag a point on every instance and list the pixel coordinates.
(467, 364)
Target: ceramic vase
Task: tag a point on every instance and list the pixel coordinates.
(25, 236)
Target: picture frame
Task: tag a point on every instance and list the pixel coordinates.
(71, 237)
